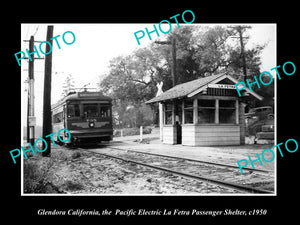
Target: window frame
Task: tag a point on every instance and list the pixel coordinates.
(234, 106)
(166, 110)
(73, 104)
(108, 107)
(207, 107)
(228, 108)
(56, 117)
(185, 111)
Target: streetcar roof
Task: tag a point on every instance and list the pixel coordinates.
(82, 96)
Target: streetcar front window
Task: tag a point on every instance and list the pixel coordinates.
(91, 110)
(104, 111)
(73, 110)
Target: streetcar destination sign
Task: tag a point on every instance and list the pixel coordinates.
(89, 94)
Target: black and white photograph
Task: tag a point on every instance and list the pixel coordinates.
(171, 114)
(168, 109)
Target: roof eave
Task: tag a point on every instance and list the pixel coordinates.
(203, 87)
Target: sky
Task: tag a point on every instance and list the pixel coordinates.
(87, 59)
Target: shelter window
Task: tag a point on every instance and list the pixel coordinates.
(227, 111)
(168, 113)
(206, 111)
(189, 111)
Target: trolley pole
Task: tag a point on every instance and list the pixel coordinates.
(47, 126)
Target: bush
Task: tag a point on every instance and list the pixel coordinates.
(147, 130)
(35, 176)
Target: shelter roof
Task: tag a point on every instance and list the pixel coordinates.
(194, 87)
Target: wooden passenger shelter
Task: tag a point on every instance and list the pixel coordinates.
(204, 112)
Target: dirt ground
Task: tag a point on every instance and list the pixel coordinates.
(70, 171)
(77, 171)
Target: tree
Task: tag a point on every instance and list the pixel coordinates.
(212, 49)
(68, 85)
(204, 50)
(130, 82)
(200, 51)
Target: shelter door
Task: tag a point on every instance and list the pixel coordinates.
(178, 121)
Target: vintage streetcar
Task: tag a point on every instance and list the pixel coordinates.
(87, 115)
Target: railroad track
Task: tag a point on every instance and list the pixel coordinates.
(197, 161)
(131, 156)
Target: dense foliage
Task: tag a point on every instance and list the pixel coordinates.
(200, 51)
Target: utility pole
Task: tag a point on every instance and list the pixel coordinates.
(47, 126)
(240, 30)
(173, 68)
(31, 119)
(174, 61)
(177, 128)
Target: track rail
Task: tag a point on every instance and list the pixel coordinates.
(191, 176)
(195, 160)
